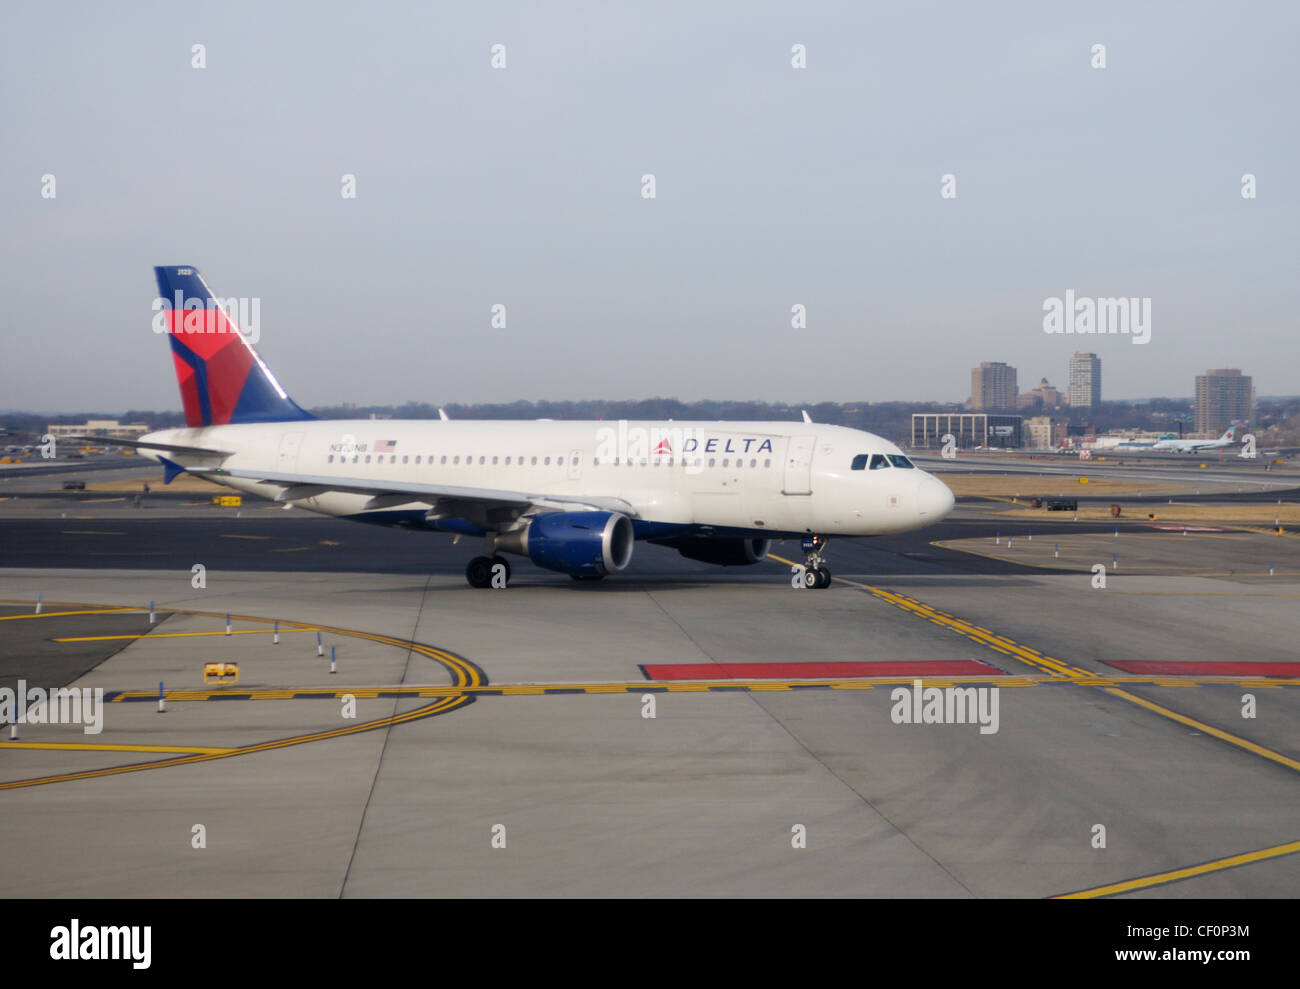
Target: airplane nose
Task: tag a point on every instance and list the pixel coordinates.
(934, 499)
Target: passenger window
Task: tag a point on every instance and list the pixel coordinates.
(455, 460)
(367, 458)
(547, 462)
(507, 461)
(898, 460)
(726, 461)
(878, 461)
(494, 461)
(534, 461)
(354, 457)
(393, 459)
(331, 459)
(444, 458)
(753, 463)
(482, 460)
(712, 461)
(860, 461)
(417, 458)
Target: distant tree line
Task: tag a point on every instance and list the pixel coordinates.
(1277, 420)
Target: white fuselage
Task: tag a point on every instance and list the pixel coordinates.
(1192, 446)
(776, 477)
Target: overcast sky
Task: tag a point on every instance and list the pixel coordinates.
(522, 186)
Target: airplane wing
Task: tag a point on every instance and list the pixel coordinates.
(198, 451)
(486, 507)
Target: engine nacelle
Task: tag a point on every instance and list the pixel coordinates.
(583, 544)
(723, 552)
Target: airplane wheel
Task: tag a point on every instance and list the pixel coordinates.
(824, 579)
(586, 576)
(809, 579)
(479, 572)
(505, 563)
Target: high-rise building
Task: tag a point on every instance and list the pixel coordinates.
(1085, 381)
(1223, 396)
(992, 387)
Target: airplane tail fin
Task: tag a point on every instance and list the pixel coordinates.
(222, 378)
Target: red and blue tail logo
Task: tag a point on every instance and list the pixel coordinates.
(222, 378)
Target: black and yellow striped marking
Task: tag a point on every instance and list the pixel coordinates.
(440, 706)
(678, 687)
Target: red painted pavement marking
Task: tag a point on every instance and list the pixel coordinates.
(820, 670)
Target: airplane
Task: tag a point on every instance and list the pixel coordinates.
(1196, 446)
(573, 497)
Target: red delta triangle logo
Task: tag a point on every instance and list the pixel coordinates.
(663, 447)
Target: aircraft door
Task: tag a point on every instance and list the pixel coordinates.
(287, 461)
(798, 465)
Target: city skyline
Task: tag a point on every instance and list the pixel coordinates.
(638, 205)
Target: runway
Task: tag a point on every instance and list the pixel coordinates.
(500, 743)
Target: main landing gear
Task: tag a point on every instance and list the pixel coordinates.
(482, 572)
(817, 577)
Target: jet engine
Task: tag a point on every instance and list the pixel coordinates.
(581, 544)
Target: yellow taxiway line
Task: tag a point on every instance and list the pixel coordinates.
(999, 643)
(1218, 733)
(61, 614)
(106, 747)
(1073, 673)
(177, 635)
(1174, 875)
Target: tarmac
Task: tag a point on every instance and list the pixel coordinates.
(499, 743)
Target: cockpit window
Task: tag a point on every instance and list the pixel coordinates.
(878, 461)
(860, 461)
(898, 460)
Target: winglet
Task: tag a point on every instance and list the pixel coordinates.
(806, 417)
(442, 414)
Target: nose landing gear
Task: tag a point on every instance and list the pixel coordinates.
(817, 576)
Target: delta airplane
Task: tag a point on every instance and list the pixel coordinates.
(1196, 446)
(573, 497)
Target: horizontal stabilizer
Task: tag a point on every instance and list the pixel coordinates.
(170, 469)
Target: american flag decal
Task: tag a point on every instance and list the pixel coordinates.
(385, 446)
